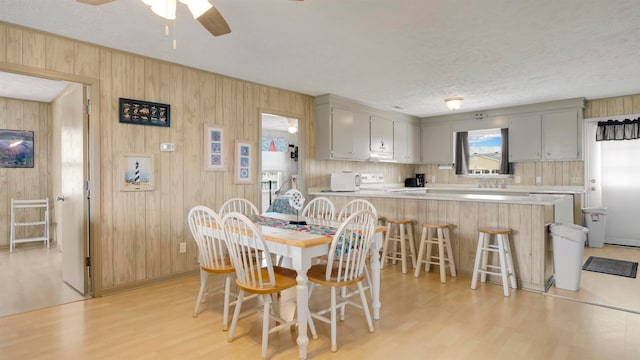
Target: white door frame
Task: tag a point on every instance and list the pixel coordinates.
(92, 212)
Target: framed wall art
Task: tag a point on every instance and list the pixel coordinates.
(144, 113)
(136, 172)
(16, 149)
(214, 150)
(243, 162)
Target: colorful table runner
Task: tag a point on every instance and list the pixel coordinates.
(284, 224)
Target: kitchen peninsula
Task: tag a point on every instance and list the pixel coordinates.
(528, 216)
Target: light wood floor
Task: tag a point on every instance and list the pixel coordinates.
(617, 292)
(420, 319)
(31, 278)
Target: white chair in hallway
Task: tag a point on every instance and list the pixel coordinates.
(26, 218)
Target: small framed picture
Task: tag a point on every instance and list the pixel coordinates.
(144, 112)
(136, 172)
(214, 154)
(243, 162)
(16, 149)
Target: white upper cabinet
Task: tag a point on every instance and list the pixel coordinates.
(381, 137)
(406, 142)
(348, 130)
(437, 144)
(546, 136)
(561, 135)
(342, 133)
(525, 137)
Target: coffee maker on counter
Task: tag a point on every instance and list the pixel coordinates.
(417, 181)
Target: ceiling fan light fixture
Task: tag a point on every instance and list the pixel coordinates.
(197, 7)
(454, 103)
(164, 8)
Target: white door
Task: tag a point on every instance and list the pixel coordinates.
(72, 219)
(611, 182)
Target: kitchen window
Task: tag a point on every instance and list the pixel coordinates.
(483, 152)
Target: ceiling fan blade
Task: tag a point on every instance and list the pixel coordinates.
(213, 21)
(95, 2)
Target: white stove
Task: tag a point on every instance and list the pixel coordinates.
(372, 182)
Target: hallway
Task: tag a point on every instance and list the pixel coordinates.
(31, 278)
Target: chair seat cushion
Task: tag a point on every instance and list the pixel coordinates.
(284, 279)
(317, 274)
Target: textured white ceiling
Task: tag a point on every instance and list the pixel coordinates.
(29, 88)
(384, 53)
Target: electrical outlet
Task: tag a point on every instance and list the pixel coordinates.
(518, 180)
(183, 247)
(576, 180)
(538, 180)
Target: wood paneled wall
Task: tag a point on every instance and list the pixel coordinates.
(614, 106)
(138, 233)
(27, 183)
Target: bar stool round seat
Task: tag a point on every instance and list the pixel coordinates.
(436, 235)
(399, 232)
(501, 247)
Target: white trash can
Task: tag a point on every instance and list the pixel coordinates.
(568, 251)
(595, 220)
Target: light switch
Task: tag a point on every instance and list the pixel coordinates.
(167, 147)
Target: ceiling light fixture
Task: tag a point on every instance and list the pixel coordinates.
(454, 103)
(293, 126)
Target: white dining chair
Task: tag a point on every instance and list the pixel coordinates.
(240, 205)
(256, 274)
(349, 208)
(354, 206)
(319, 208)
(206, 228)
(345, 266)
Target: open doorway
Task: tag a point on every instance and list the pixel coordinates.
(612, 175)
(279, 156)
(33, 275)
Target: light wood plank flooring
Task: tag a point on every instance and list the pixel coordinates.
(617, 292)
(421, 318)
(31, 278)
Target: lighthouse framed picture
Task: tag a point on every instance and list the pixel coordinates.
(136, 172)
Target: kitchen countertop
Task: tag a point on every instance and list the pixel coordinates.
(497, 195)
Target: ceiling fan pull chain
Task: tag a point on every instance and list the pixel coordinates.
(175, 42)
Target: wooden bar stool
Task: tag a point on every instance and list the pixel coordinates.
(404, 234)
(503, 249)
(427, 241)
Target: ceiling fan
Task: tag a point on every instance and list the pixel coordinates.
(201, 10)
